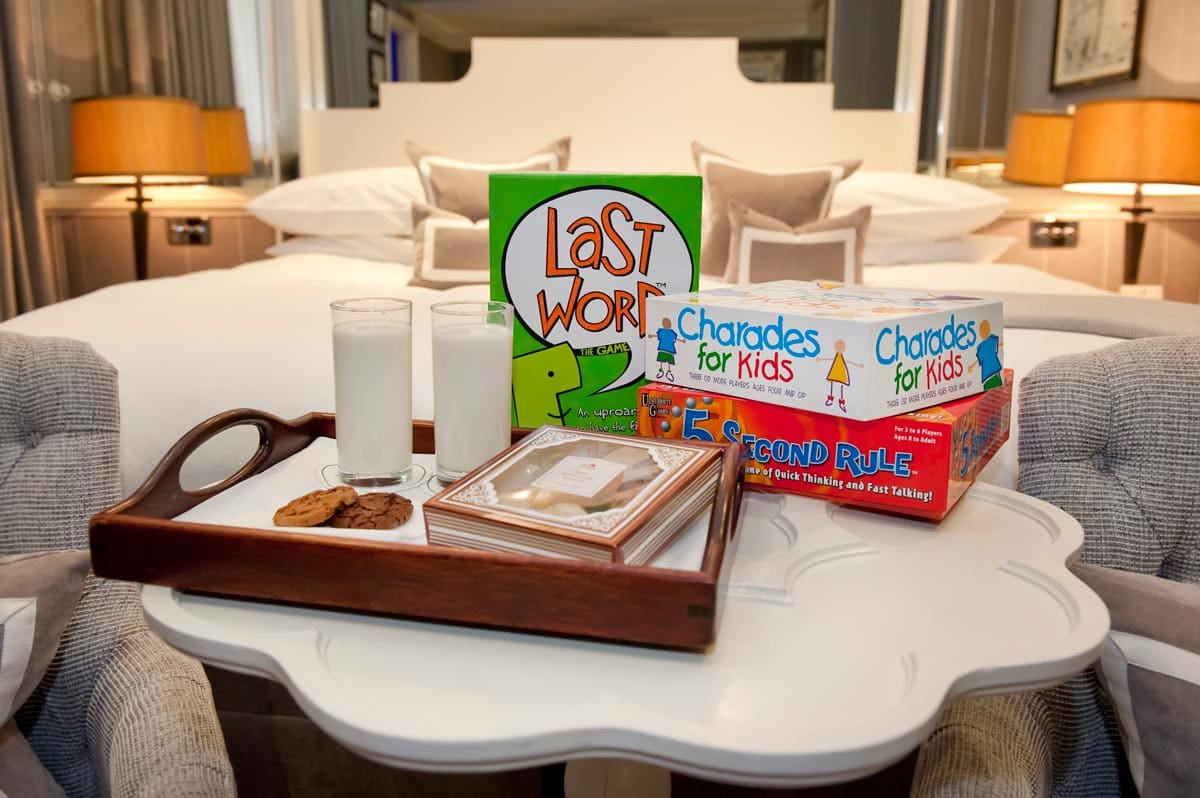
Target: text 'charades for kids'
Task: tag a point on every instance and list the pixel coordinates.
(579, 256)
(847, 350)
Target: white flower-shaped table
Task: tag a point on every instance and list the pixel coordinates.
(844, 634)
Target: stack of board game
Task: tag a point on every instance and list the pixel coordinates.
(884, 398)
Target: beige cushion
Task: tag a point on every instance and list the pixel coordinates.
(38, 594)
(1151, 669)
(762, 249)
(21, 772)
(449, 249)
(794, 197)
(462, 187)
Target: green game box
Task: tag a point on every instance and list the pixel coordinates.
(578, 255)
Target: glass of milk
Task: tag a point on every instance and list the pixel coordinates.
(472, 384)
(372, 371)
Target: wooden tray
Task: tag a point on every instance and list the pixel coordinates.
(137, 540)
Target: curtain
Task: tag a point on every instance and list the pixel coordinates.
(28, 278)
(172, 47)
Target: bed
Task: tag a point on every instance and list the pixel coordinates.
(257, 335)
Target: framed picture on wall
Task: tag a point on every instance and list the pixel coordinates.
(1095, 41)
(377, 19)
(376, 68)
(763, 66)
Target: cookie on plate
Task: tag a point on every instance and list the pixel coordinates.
(315, 507)
(373, 511)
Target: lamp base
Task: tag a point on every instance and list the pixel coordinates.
(139, 217)
(1135, 236)
(140, 220)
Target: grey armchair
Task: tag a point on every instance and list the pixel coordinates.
(118, 711)
(1113, 438)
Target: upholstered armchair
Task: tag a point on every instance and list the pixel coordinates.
(117, 712)
(1113, 438)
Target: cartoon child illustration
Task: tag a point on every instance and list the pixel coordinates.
(839, 374)
(666, 350)
(987, 357)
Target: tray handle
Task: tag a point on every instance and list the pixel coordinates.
(163, 494)
(727, 512)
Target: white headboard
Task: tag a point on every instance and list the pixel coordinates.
(628, 104)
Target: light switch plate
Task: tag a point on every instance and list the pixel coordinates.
(1053, 233)
(189, 230)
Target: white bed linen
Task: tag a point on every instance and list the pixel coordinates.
(258, 336)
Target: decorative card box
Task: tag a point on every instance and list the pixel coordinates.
(579, 494)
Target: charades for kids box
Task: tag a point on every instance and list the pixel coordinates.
(578, 256)
(845, 350)
(918, 463)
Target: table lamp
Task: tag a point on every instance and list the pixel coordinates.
(226, 145)
(1139, 146)
(1037, 148)
(1037, 155)
(137, 140)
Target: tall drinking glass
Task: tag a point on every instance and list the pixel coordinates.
(372, 369)
(472, 384)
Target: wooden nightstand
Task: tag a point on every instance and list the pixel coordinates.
(92, 243)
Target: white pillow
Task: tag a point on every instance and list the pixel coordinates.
(389, 249)
(354, 202)
(912, 207)
(964, 249)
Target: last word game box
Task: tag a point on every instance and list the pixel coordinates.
(846, 350)
(918, 463)
(578, 256)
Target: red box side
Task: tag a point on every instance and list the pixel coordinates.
(918, 463)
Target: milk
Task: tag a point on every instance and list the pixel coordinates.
(472, 389)
(372, 362)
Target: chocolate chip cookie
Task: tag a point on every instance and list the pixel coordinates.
(316, 507)
(373, 511)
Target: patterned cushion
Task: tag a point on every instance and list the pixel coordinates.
(449, 249)
(462, 187)
(794, 197)
(762, 249)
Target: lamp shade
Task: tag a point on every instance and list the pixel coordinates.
(123, 138)
(1037, 148)
(1119, 146)
(225, 142)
